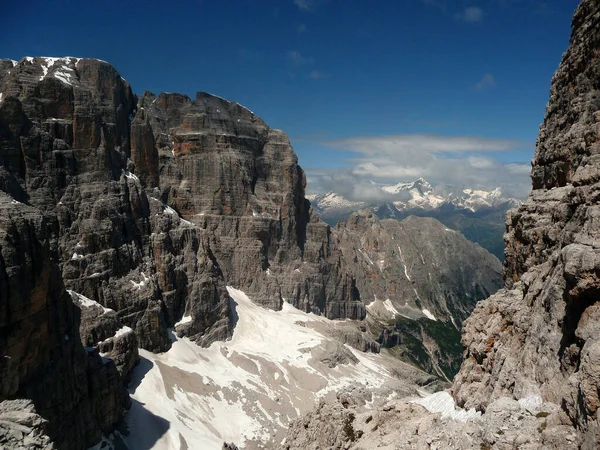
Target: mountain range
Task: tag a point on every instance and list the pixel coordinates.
(141, 237)
(476, 213)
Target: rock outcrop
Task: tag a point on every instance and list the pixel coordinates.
(78, 393)
(239, 183)
(541, 335)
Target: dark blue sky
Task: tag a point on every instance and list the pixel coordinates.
(364, 89)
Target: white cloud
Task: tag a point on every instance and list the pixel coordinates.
(315, 75)
(458, 161)
(471, 14)
(487, 81)
(394, 144)
(297, 60)
(301, 29)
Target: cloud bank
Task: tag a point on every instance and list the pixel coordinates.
(456, 161)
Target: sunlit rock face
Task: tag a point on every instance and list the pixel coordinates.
(122, 216)
(224, 170)
(540, 335)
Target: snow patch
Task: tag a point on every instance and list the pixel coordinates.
(87, 302)
(122, 331)
(245, 389)
(142, 283)
(366, 256)
(428, 314)
(76, 257)
(131, 176)
(387, 304)
(443, 403)
(184, 320)
(403, 263)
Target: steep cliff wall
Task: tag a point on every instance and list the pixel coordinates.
(541, 335)
(131, 216)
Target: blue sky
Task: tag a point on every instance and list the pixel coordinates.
(453, 91)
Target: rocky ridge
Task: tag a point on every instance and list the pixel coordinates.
(539, 336)
(476, 213)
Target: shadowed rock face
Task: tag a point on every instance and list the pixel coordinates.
(42, 356)
(540, 336)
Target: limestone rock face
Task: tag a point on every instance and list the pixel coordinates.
(122, 218)
(239, 183)
(21, 427)
(419, 280)
(540, 336)
(419, 264)
(76, 391)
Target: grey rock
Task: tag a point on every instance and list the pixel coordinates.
(42, 356)
(540, 335)
(21, 427)
(407, 268)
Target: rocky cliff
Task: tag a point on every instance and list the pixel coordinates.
(540, 336)
(124, 217)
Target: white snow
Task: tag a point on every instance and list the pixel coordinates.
(443, 403)
(366, 256)
(403, 263)
(390, 307)
(87, 302)
(142, 283)
(0, 97)
(65, 74)
(247, 388)
(123, 330)
(531, 403)
(184, 320)
(14, 63)
(429, 315)
(76, 257)
(333, 201)
(131, 176)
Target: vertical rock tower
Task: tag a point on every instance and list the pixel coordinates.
(541, 335)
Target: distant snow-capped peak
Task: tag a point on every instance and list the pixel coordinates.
(331, 200)
(418, 194)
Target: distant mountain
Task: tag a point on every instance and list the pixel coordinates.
(477, 213)
(419, 280)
